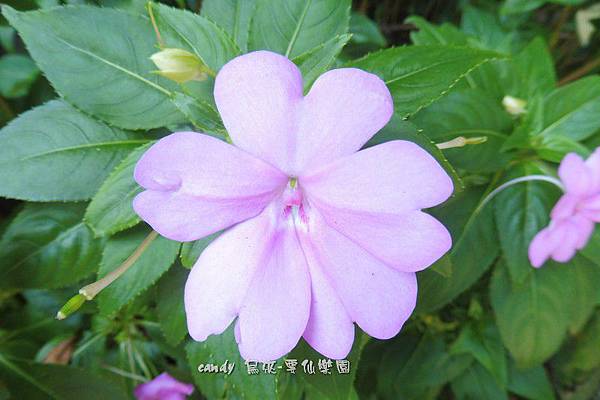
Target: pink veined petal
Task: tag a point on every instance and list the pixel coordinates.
(343, 110)
(575, 175)
(197, 185)
(378, 298)
(330, 330)
(220, 279)
(410, 241)
(565, 207)
(389, 178)
(257, 95)
(164, 386)
(276, 308)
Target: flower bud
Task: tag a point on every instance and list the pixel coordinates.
(514, 105)
(179, 65)
(71, 306)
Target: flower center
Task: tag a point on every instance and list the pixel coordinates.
(294, 205)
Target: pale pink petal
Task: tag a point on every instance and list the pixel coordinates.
(575, 175)
(389, 178)
(197, 185)
(541, 248)
(378, 298)
(164, 386)
(565, 206)
(220, 279)
(330, 330)
(409, 241)
(343, 110)
(276, 308)
(257, 96)
(593, 163)
(582, 230)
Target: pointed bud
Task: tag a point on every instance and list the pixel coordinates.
(180, 65)
(514, 106)
(461, 141)
(71, 306)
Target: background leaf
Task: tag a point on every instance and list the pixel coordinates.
(233, 16)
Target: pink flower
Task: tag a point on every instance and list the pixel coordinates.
(163, 387)
(322, 236)
(574, 215)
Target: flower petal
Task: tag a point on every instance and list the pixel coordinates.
(575, 175)
(275, 311)
(541, 247)
(378, 298)
(220, 279)
(343, 110)
(197, 185)
(389, 178)
(330, 330)
(257, 96)
(593, 163)
(565, 206)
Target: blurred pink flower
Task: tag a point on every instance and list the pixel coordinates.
(574, 215)
(323, 235)
(163, 387)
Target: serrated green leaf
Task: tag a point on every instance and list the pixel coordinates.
(111, 210)
(571, 110)
(318, 60)
(98, 59)
(535, 67)
(532, 316)
(429, 34)
(18, 74)
(555, 147)
(201, 114)
(190, 251)
(154, 262)
(294, 27)
(475, 247)
(419, 75)
(185, 30)
(169, 301)
(216, 350)
(55, 152)
(521, 211)
(233, 16)
(47, 246)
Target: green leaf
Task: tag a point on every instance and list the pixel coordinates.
(532, 316)
(216, 350)
(485, 30)
(521, 6)
(58, 153)
(333, 386)
(111, 209)
(318, 60)
(419, 75)
(366, 36)
(532, 384)
(169, 301)
(571, 110)
(584, 355)
(18, 74)
(294, 27)
(201, 114)
(47, 246)
(185, 30)
(535, 67)
(414, 365)
(190, 251)
(483, 342)
(555, 147)
(154, 262)
(428, 34)
(233, 16)
(32, 381)
(98, 59)
(477, 383)
(521, 212)
(475, 247)
(468, 113)
(583, 277)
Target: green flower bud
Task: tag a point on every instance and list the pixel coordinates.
(71, 306)
(179, 65)
(514, 106)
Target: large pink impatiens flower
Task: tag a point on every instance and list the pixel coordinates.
(574, 215)
(323, 235)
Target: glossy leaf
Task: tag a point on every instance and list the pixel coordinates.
(296, 26)
(103, 67)
(154, 262)
(47, 246)
(169, 302)
(318, 60)
(233, 16)
(18, 74)
(190, 251)
(55, 152)
(419, 75)
(111, 209)
(477, 383)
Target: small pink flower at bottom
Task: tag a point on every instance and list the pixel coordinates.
(322, 235)
(163, 387)
(574, 215)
